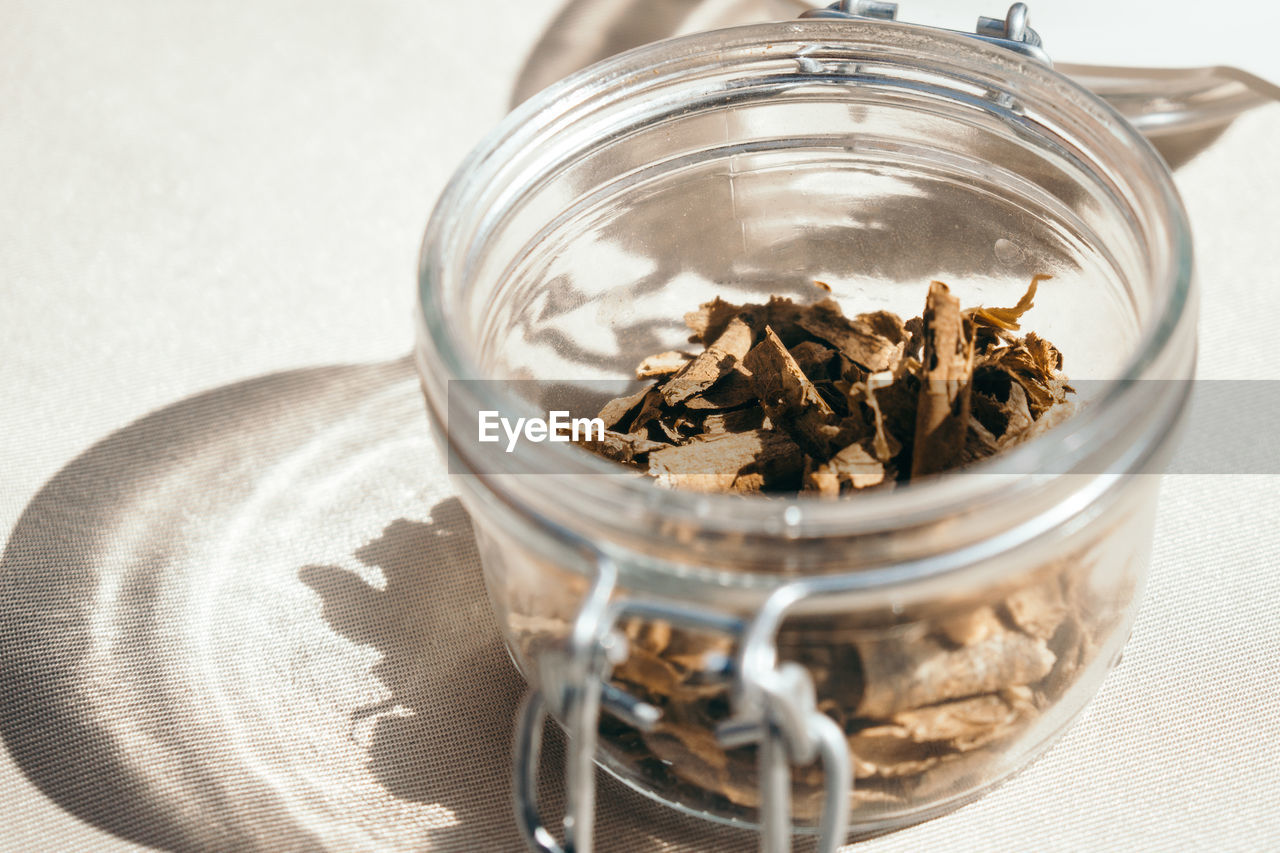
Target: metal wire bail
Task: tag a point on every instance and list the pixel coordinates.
(573, 682)
(775, 706)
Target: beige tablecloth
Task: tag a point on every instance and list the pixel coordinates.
(240, 607)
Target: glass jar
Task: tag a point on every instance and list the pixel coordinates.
(774, 661)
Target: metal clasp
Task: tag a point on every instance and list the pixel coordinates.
(772, 705)
(1011, 32)
(575, 689)
(574, 682)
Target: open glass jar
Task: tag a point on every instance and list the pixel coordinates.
(792, 661)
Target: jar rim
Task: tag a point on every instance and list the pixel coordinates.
(442, 353)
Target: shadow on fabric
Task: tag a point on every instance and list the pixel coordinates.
(372, 708)
(443, 736)
(97, 704)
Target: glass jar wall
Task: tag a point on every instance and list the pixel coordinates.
(979, 611)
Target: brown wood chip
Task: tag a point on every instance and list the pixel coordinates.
(662, 364)
(903, 674)
(1038, 610)
(1007, 318)
(650, 411)
(648, 670)
(814, 359)
(737, 420)
(697, 376)
(714, 463)
(962, 719)
(942, 414)
(889, 752)
(711, 364)
(852, 465)
(618, 410)
(861, 339)
(623, 448)
(706, 323)
(969, 627)
(787, 395)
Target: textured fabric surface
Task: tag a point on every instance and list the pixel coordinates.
(240, 607)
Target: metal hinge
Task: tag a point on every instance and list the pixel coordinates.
(1011, 32)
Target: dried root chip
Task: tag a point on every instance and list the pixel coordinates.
(1043, 391)
(623, 448)
(715, 463)
(1038, 610)
(1074, 645)
(854, 466)
(662, 364)
(693, 754)
(919, 740)
(973, 626)
(675, 743)
(620, 410)
(649, 671)
(915, 338)
(1007, 318)
(884, 444)
(783, 316)
(735, 420)
(706, 324)
(1045, 422)
(787, 395)
(999, 403)
(965, 723)
(978, 443)
(652, 635)
(833, 664)
(697, 376)
(734, 390)
(874, 342)
(814, 359)
(650, 411)
(738, 335)
(729, 348)
(900, 675)
(889, 752)
(896, 403)
(942, 415)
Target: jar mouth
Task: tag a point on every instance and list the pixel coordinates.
(1103, 429)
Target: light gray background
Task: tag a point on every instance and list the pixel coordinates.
(253, 620)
